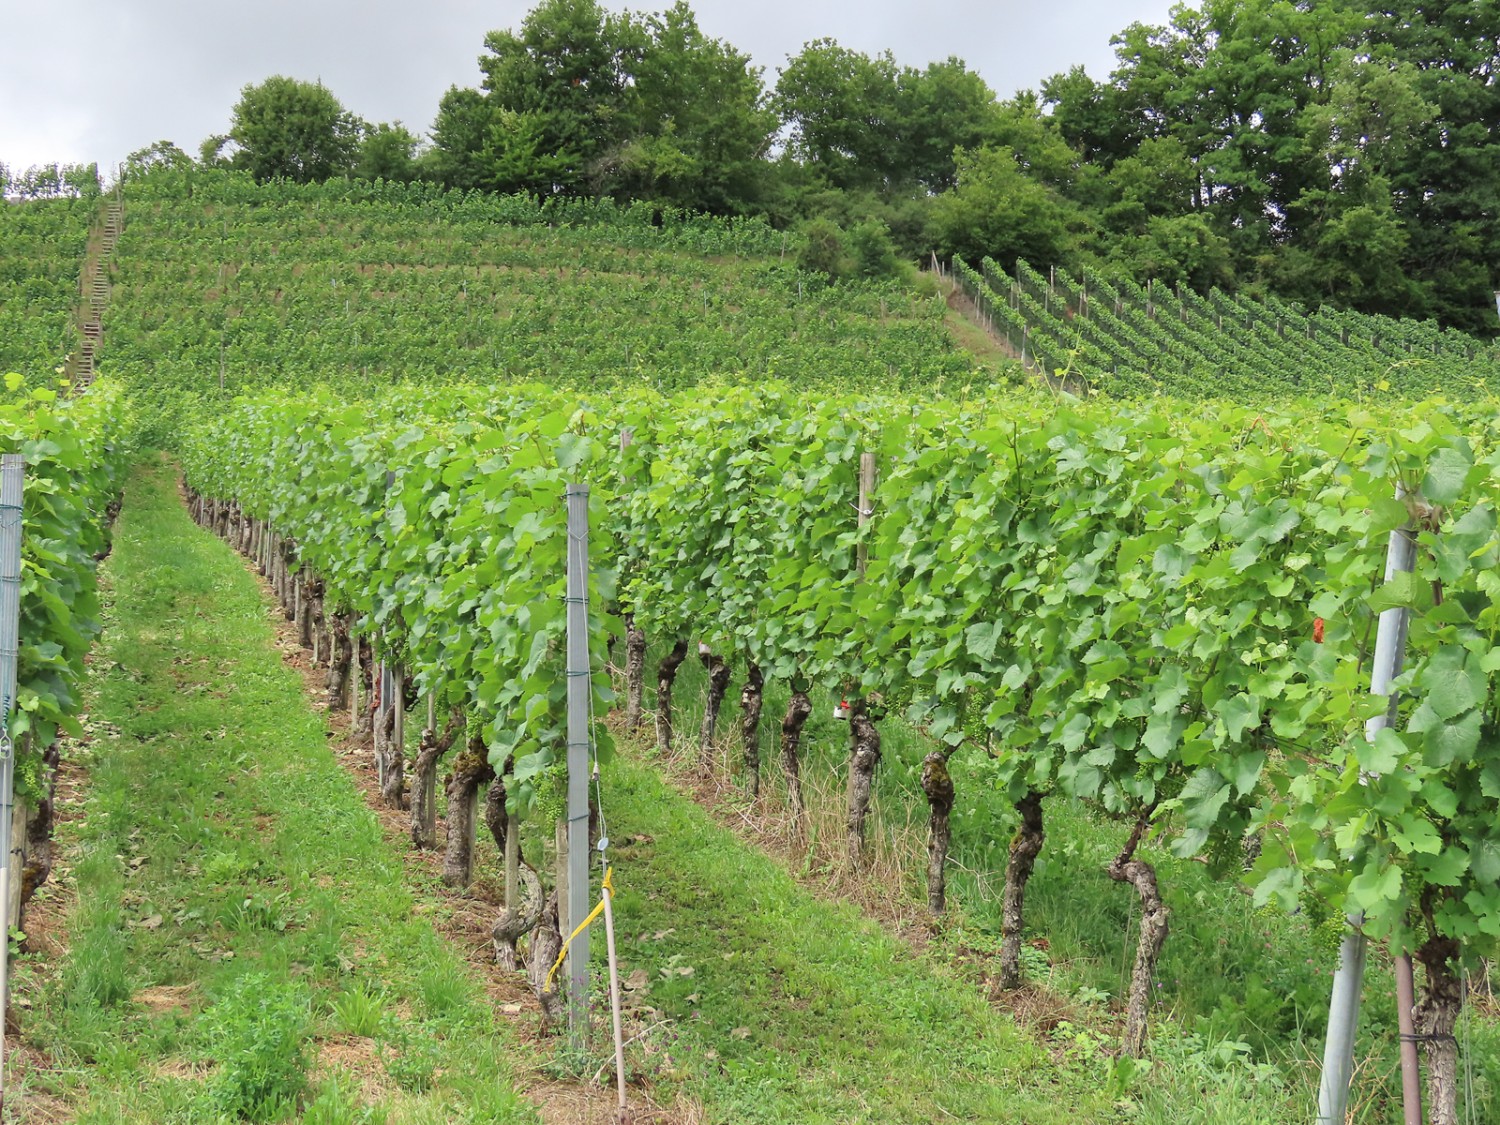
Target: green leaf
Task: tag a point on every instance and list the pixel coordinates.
(1448, 688)
(1374, 886)
(1245, 771)
(1485, 860)
(1239, 713)
(1383, 754)
(1454, 741)
(1402, 590)
(1203, 798)
(1447, 474)
(981, 639)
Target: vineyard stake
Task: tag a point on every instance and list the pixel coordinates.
(578, 759)
(866, 492)
(12, 474)
(1343, 1006)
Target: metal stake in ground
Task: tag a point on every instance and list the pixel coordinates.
(579, 684)
(1348, 982)
(12, 474)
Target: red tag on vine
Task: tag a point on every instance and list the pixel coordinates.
(1317, 630)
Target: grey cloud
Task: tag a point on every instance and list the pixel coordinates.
(90, 80)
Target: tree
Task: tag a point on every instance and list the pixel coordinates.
(997, 210)
(558, 88)
(160, 154)
(841, 108)
(942, 108)
(459, 138)
(293, 130)
(1090, 116)
(387, 152)
(697, 126)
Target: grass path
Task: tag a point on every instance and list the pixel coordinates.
(242, 941)
(246, 941)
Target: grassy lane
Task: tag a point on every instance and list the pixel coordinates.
(242, 943)
(791, 1009)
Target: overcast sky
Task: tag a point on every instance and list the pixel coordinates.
(84, 80)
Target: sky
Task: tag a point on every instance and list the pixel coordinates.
(90, 80)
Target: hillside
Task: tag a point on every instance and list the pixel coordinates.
(217, 281)
(42, 246)
(1112, 336)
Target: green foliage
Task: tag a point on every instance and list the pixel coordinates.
(387, 152)
(199, 729)
(337, 1103)
(75, 451)
(360, 1011)
(159, 154)
(256, 1033)
(447, 539)
(415, 1053)
(286, 129)
(358, 285)
(824, 250)
(44, 244)
(996, 209)
(859, 122)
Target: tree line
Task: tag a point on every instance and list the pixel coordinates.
(1326, 151)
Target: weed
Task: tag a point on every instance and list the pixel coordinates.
(360, 1011)
(256, 1035)
(337, 1105)
(414, 1059)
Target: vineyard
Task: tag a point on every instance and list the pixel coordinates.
(1113, 336)
(44, 243)
(76, 453)
(1210, 691)
(1080, 682)
(219, 282)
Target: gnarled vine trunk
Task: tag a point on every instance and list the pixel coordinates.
(546, 944)
(798, 708)
(430, 752)
(340, 659)
(38, 867)
(521, 911)
(1436, 1017)
(1125, 868)
(471, 770)
(752, 699)
(364, 688)
(666, 676)
(718, 686)
(864, 756)
(1025, 846)
(635, 674)
(937, 784)
(308, 586)
(287, 584)
(518, 920)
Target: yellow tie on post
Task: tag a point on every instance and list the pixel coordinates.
(585, 924)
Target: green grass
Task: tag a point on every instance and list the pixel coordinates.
(226, 862)
(790, 1009)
